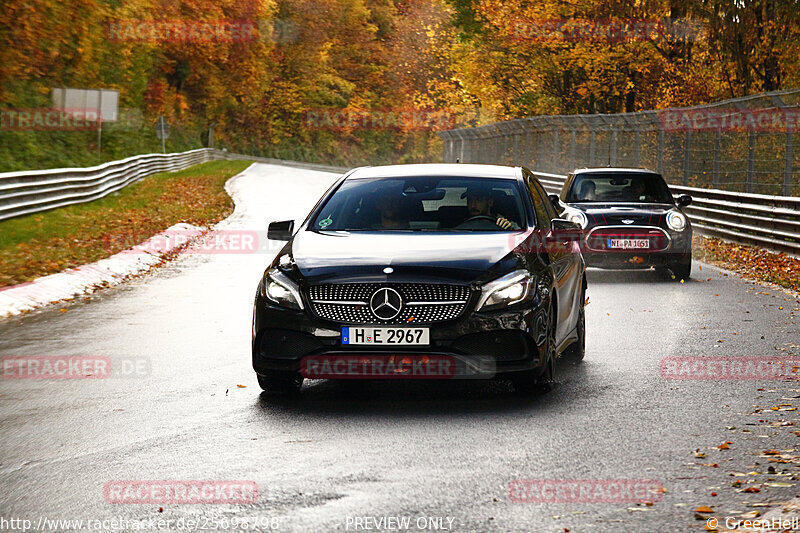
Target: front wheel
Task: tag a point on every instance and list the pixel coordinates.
(577, 350)
(529, 382)
(280, 383)
(682, 270)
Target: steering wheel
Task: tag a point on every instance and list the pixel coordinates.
(482, 222)
(480, 217)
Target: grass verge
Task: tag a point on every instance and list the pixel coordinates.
(49, 242)
(749, 261)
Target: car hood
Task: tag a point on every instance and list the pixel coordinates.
(614, 214)
(325, 257)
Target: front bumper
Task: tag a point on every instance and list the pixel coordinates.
(676, 250)
(513, 341)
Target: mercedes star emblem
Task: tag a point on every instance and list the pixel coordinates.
(385, 303)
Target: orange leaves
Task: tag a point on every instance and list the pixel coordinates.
(751, 262)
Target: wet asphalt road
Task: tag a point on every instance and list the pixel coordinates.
(399, 449)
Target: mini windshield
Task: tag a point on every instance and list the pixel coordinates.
(422, 204)
(608, 187)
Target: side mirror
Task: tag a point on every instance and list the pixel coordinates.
(684, 200)
(555, 201)
(280, 231)
(561, 224)
(563, 233)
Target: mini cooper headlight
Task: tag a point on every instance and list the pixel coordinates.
(279, 289)
(506, 290)
(579, 217)
(676, 221)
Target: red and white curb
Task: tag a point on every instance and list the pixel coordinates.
(85, 279)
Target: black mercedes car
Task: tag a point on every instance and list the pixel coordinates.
(422, 271)
(630, 219)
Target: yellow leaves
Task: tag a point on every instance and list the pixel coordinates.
(724, 445)
(704, 509)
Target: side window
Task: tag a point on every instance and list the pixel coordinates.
(548, 205)
(540, 202)
(567, 186)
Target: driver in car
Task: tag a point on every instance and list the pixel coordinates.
(480, 204)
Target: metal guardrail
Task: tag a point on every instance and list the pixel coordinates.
(27, 192)
(771, 222)
(287, 163)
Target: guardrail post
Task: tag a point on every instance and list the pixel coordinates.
(751, 159)
(687, 146)
(787, 171)
(660, 154)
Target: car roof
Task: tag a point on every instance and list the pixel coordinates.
(614, 169)
(458, 170)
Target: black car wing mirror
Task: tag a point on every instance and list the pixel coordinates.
(565, 231)
(684, 200)
(280, 231)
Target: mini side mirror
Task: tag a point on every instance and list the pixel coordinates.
(684, 200)
(280, 231)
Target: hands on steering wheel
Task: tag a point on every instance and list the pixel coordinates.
(501, 221)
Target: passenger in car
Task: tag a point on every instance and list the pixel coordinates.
(588, 191)
(392, 211)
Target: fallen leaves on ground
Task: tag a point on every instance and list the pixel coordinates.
(749, 261)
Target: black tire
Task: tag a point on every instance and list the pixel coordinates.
(530, 383)
(682, 270)
(576, 351)
(280, 383)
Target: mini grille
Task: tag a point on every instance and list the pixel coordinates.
(327, 301)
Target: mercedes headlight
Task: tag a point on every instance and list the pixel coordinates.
(506, 290)
(579, 217)
(279, 289)
(676, 221)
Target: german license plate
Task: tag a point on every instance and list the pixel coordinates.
(629, 244)
(376, 336)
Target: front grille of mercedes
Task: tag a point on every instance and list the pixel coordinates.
(423, 303)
